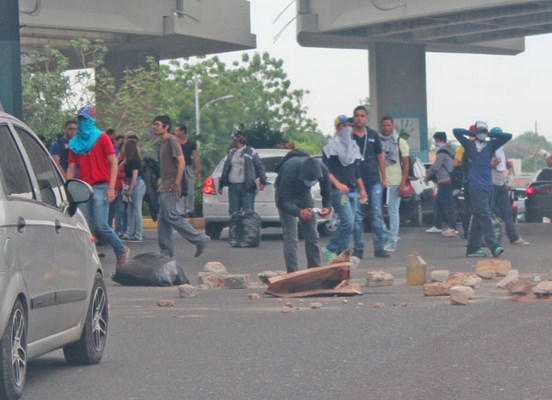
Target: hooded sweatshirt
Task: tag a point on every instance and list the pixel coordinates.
(442, 167)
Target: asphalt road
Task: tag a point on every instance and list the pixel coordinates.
(221, 345)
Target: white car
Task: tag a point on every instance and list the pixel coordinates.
(215, 206)
(52, 292)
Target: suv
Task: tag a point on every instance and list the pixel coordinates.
(215, 205)
(538, 203)
(52, 292)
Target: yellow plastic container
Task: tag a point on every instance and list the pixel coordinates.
(416, 270)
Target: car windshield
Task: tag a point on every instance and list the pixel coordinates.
(544, 175)
(270, 163)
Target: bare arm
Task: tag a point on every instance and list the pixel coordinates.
(405, 169)
(113, 171)
(71, 169)
(177, 185)
(381, 162)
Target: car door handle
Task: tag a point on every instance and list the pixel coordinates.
(57, 225)
(21, 224)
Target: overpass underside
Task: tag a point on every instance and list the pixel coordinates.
(398, 33)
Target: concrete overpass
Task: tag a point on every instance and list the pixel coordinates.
(398, 33)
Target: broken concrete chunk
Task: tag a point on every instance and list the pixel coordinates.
(463, 279)
(315, 305)
(543, 288)
(379, 278)
(286, 310)
(237, 281)
(488, 269)
(165, 303)
(187, 291)
(511, 277)
(436, 289)
(215, 267)
(439, 275)
(253, 296)
(211, 279)
(263, 276)
(522, 287)
(461, 294)
(379, 305)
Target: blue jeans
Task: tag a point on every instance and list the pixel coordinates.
(239, 198)
(345, 206)
(482, 224)
(134, 211)
(96, 211)
(503, 208)
(169, 218)
(374, 200)
(290, 238)
(393, 207)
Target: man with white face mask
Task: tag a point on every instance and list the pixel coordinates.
(441, 171)
(478, 155)
(296, 176)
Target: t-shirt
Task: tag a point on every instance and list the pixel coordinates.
(94, 165)
(168, 165)
(130, 166)
(188, 151)
(370, 148)
(393, 172)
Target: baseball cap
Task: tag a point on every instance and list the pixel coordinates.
(86, 112)
(481, 126)
(237, 135)
(341, 119)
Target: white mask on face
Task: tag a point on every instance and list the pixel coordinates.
(481, 136)
(310, 183)
(438, 145)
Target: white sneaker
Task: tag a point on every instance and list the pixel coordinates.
(449, 233)
(521, 242)
(434, 229)
(389, 248)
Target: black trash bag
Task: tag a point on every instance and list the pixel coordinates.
(245, 229)
(150, 269)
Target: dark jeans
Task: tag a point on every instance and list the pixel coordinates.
(503, 208)
(239, 198)
(290, 237)
(444, 206)
(482, 224)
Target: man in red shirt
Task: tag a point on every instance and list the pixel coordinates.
(92, 151)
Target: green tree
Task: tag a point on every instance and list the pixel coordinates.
(525, 147)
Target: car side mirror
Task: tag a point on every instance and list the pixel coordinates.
(77, 192)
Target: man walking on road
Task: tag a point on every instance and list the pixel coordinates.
(92, 151)
(372, 170)
(193, 166)
(171, 209)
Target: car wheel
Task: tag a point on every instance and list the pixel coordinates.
(13, 349)
(213, 230)
(330, 226)
(89, 348)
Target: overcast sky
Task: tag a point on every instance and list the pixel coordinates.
(513, 92)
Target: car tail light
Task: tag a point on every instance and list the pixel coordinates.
(530, 190)
(209, 186)
(409, 188)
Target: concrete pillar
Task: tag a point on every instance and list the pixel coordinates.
(398, 88)
(10, 52)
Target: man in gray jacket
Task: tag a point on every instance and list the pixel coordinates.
(294, 200)
(441, 171)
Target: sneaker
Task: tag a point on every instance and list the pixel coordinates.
(478, 254)
(521, 242)
(201, 247)
(122, 259)
(449, 233)
(498, 251)
(389, 248)
(330, 255)
(359, 253)
(381, 253)
(434, 229)
(134, 240)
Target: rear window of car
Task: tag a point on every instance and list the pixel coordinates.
(544, 175)
(270, 163)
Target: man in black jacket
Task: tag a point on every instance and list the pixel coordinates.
(241, 168)
(294, 200)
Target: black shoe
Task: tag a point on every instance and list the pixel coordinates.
(381, 253)
(358, 253)
(201, 247)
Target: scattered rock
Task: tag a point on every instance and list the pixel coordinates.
(360, 304)
(379, 305)
(253, 296)
(520, 288)
(461, 294)
(211, 279)
(463, 279)
(288, 304)
(436, 289)
(263, 276)
(379, 278)
(439, 275)
(286, 310)
(543, 289)
(491, 268)
(345, 301)
(215, 267)
(165, 303)
(355, 262)
(203, 286)
(511, 277)
(237, 281)
(315, 306)
(187, 291)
